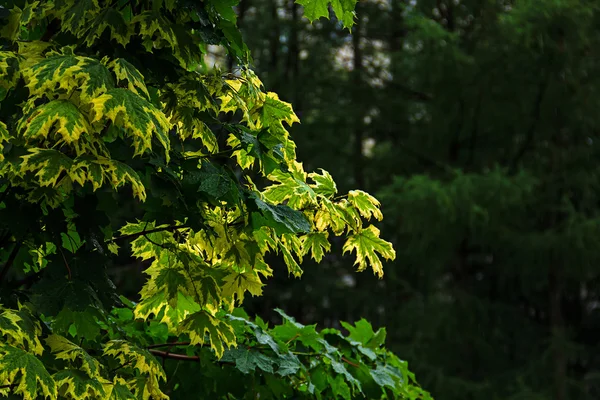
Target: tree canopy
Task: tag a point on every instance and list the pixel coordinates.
(118, 142)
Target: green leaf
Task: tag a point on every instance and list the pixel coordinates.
(109, 18)
(84, 323)
(120, 392)
(198, 324)
(75, 17)
(367, 244)
(78, 385)
(139, 118)
(26, 372)
(367, 205)
(63, 349)
(384, 376)
(317, 244)
(48, 165)
(20, 329)
(238, 283)
(125, 71)
(343, 9)
(247, 360)
(324, 183)
(68, 72)
(280, 217)
(62, 115)
(217, 183)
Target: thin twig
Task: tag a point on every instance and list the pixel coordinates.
(350, 362)
(65, 260)
(10, 261)
(174, 356)
(155, 346)
(145, 232)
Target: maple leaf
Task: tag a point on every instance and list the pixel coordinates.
(367, 205)
(118, 391)
(128, 354)
(21, 330)
(68, 72)
(237, 284)
(343, 9)
(111, 19)
(367, 244)
(27, 372)
(74, 383)
(63, 349)
(77, 15)
(68, 121)
(221, 334)
(138, 117)
(279, 217)
(291, 188)
(125, 71)
(247, 360)
(48, 165)
(324, 183)
(317, 244)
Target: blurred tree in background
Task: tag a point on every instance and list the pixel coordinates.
(477, 123)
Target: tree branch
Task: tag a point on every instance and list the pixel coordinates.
(537, 109)
(10, 261)
(154, 346)
(174, 356)
(145, 232)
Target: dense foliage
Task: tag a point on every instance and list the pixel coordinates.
(118, 142)
(477, 124)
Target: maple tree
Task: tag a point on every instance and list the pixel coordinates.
(118, 141)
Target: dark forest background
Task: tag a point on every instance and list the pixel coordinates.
(476, 123)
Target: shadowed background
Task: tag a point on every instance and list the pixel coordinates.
(476, 124)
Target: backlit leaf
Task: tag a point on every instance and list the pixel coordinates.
(367, 244)
(367, 205)
(25, 371)
(62, 115)
(220, 333)
(139, 118)
(78, 385)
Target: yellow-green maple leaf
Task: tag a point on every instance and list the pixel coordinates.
(48, 165)
(63, 349)
(317, 244)
(9, 69)
(367, 205)
(4, 137)
(64, 116)
(75, 384)
(236, 284)
(221, 334)
(125, 71)
(111, 19)
(75, 15)
(128, 354)
(18, 328)
(324, 183)
(367, 244)
(68, 72)
(138, 117)
(26, 372)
